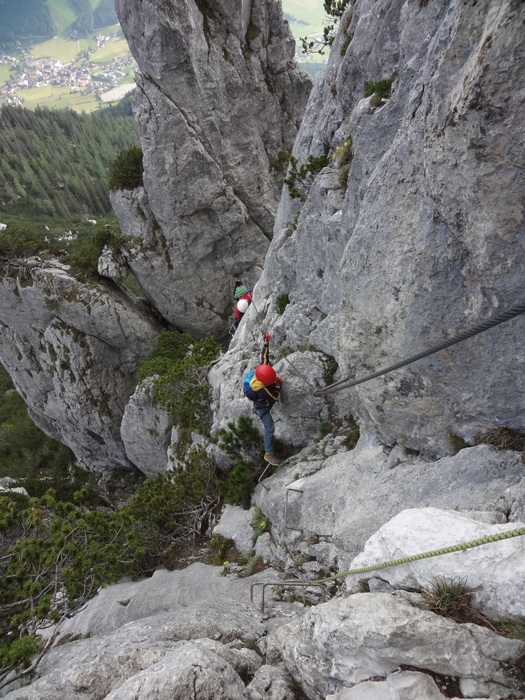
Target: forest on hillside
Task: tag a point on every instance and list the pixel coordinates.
(25, 19)
(32, 20)
(55, 162)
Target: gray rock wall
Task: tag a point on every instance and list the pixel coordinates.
(217, 109)
(424, 238)
(72, 350)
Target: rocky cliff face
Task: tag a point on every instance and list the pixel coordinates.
(66, 344)
(410, 231)
(217, 107)
(414, 230)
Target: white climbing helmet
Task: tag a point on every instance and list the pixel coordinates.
(242, 305)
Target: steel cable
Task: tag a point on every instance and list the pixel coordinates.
(479, 328)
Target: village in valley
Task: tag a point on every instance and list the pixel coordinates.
(81, 75)
(82, 72)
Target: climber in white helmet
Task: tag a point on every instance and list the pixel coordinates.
(243, 297)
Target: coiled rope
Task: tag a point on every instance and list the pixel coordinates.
(479, 328)
(425, 555)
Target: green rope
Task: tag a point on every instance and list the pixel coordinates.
(426, 555)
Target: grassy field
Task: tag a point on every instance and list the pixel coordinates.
(5, 73)
(59, 97)
(114, 29)
(62, 49)
(310, 15)
(114, 47)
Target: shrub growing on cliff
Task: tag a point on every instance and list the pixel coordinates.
(126, 171)
(56, 555)
(182, 365)
(380, 89)
(501, 437)
(453, 598)
(300, 177)
(281, 302)
(174, 505)
(85, 256)
(242, 443)
(342, 157)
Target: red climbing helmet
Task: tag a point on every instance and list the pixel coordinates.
(265, 374)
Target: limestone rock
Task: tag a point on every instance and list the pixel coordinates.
(6, 486)
(66, 345)
(409, 685)
(188, 666)
(495, 570)
(344, 499)
(91, 672)
(135, 625)
(173, 594)
(235, 524)
(420, 239)
(348, 640)
(146, 430)
(217, 106)
(270, 683)
(112, 265)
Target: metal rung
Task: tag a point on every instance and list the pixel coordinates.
(286, 526)
(303, 584)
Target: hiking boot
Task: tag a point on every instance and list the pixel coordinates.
(272, 458)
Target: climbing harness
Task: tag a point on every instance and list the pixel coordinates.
(479, 328)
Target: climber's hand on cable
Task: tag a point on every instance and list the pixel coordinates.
(267, 337)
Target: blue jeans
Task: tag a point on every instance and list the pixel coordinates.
(269, 427)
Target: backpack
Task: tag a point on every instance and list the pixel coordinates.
(247, 389)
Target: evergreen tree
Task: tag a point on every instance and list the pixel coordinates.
(46, 154)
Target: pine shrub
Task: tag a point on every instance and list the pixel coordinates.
(126, 171)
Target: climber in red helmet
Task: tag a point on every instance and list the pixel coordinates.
(263, 387)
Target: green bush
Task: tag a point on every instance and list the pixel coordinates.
(282, 302)
(126, 171)
(342, 157)
(382, 89)
(260, 523)
(181, 388)
(243, 444)
(300, 177)
(345, 45)
(49, 546)
(168, 502)
(334, 9)
(452, 599)
(18, 241)
(86, 255)
(219, 546)
(238, 487)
